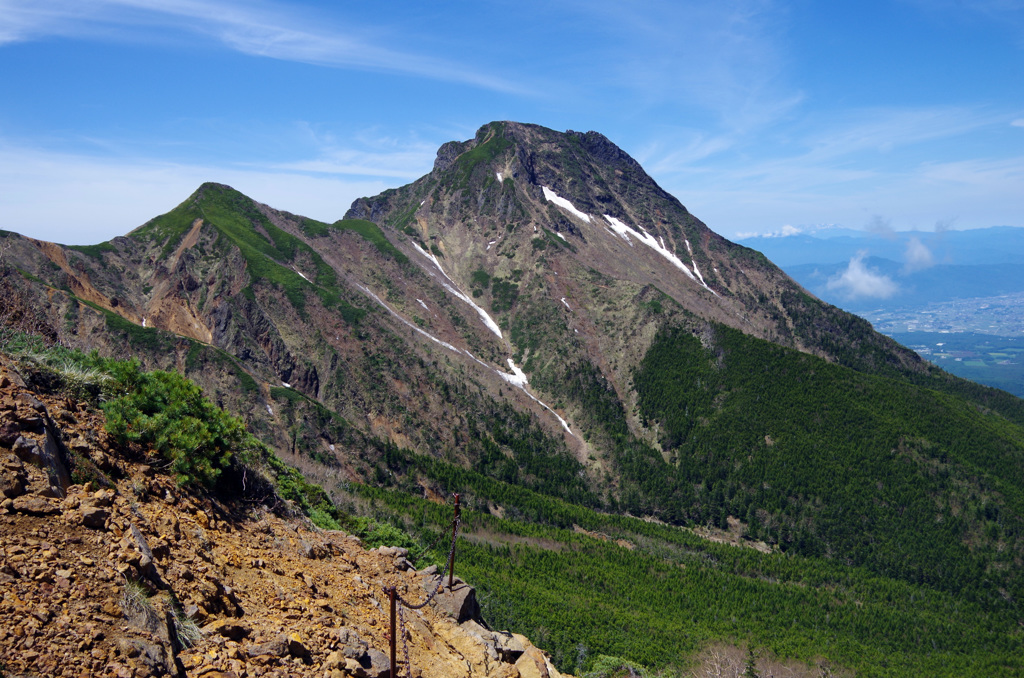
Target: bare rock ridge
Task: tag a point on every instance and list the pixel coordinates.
(141, 578)
(524, 249)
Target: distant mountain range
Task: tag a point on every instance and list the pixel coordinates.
(863, 271)
(964, 287)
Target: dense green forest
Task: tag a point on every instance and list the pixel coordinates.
(824, 461)
(896, 537)
(894, 511)
(657, 594)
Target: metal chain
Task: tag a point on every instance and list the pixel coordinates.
(402, 603)
(405, 641)
(440, 580)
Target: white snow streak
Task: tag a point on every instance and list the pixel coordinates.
(489, 244)
(499, 177)
(697, 271)
(423, 305)
(286, 384)
(560, 235)
(647, 239)
(517, 378)
(143, 321)
(270, 411)
(303, 276)
(428, 335)
(688, 248)
(566, 303)
(450, 286)
(551, 196)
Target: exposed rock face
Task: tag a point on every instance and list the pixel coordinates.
(554, 250)
(144, 579)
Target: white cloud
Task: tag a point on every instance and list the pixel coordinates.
(263, 29)
(723, 57)
(1019, 122)
(917, 256)
(858, 281)
(783, 232)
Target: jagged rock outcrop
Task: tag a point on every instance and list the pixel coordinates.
(141, 578)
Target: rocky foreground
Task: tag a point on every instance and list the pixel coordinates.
(143, 578)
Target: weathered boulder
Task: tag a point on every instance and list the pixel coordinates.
(13, 478)
(95, 517)
(36, 506)
(284, 645)
(458, 602)
(351, 643)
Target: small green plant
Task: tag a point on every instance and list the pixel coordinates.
(188, 631)
(168, 412)
(374, 534)
(135, 602)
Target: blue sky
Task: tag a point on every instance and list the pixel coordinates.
(760, 116)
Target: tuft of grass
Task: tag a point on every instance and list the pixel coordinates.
(135, 603)
(187, 629)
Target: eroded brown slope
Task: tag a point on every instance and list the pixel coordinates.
(91, 577)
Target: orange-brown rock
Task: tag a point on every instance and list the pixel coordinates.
(143, 578)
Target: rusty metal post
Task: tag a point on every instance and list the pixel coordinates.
(392, 597)
(451, 557)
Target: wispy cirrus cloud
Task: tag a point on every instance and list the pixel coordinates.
(102, 196)
(843, 170)
(260, 29)
(724, 57)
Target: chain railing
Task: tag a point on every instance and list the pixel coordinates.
(397, 603)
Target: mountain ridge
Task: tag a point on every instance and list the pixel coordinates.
(506, 321)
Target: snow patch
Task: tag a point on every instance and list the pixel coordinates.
(498, 174)
(697, 271)
(331, 446)
(566, 303)
(490, 244)
(303, 276)
(560, 236)
(450, 286)
(621, 229)
(422, 203)
(688, 248)
(270, 411)
(143, 321)
(647, 239)
(422, 304)
(551, 196)
(286, 384)
(517, 378)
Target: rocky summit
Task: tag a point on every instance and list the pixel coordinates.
(538, 326)
(143, 578)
